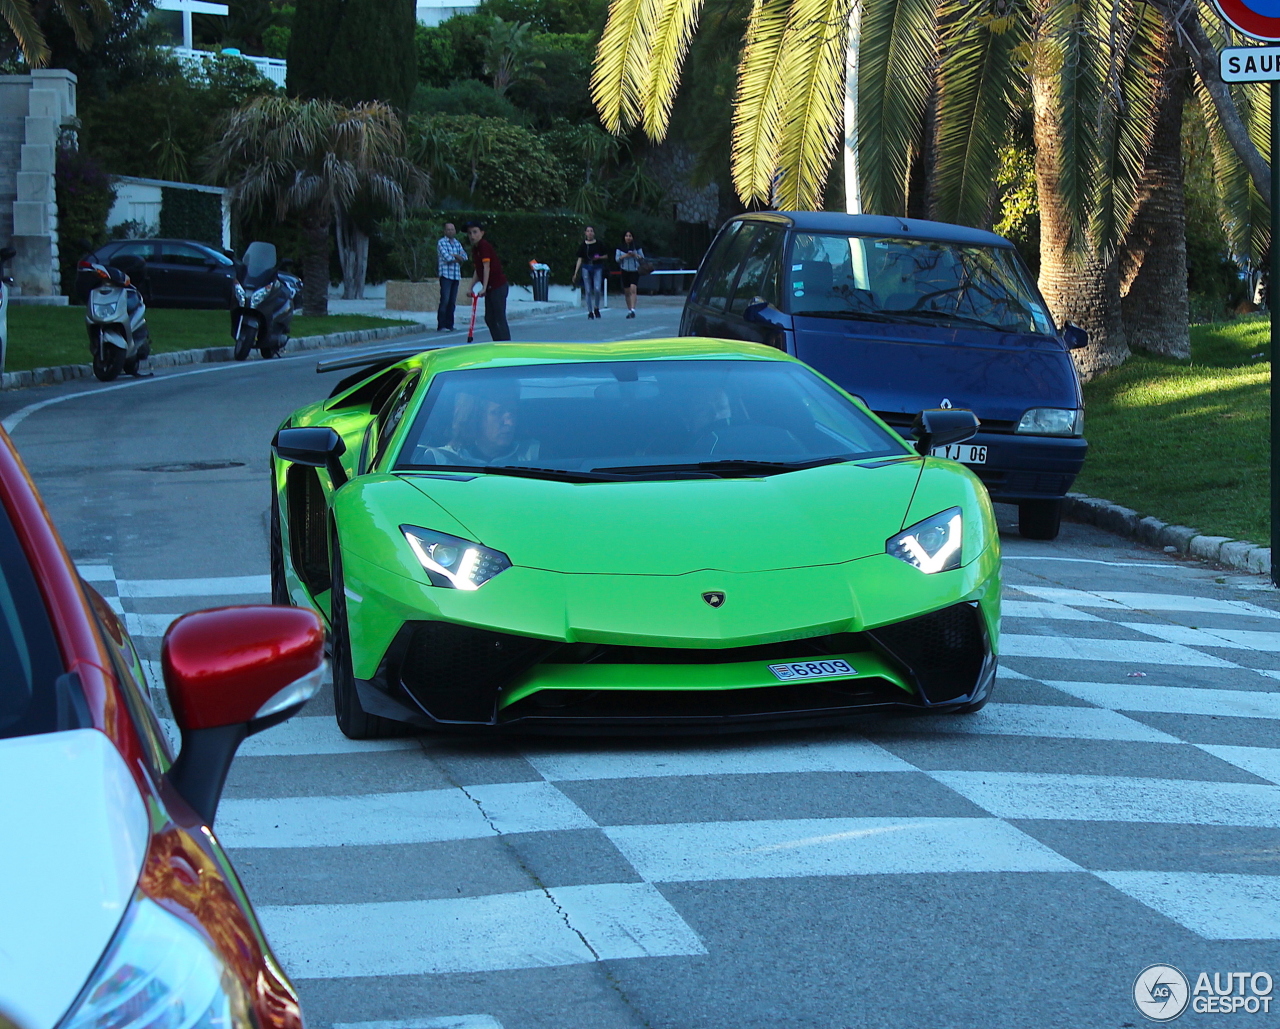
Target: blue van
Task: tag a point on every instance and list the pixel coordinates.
(909, 315)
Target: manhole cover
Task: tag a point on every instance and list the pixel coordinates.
(193, 466)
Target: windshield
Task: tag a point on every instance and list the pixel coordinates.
(259, 260)
(638, 418)
(922, 282)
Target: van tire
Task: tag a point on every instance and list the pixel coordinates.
(1039, 519)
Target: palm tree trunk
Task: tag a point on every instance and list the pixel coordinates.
(353, 254)
(1153, 282)
(1080, 285)
(315, 263)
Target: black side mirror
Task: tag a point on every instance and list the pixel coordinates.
(314, 447)
(760, 312)
(939, 426)
(1074, 337)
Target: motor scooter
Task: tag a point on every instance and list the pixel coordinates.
(262, 302)
(116, 318)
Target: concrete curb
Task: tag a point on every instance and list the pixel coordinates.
(209, 355)
(1238, 555)
(213, 355)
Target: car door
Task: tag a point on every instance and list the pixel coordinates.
(145, 249)
(693, 322)
(189, 281)
(757, 276)
(715, 293)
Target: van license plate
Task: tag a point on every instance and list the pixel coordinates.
(794, 670)
(965, 452)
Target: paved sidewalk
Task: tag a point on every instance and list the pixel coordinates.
(520, 304)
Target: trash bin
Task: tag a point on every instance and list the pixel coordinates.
(541, 281)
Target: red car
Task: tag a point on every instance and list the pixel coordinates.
(120, 907)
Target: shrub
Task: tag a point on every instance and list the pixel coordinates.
(85, 196)
(518, 236)
(468, 96)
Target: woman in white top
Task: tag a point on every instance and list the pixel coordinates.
(629, 256)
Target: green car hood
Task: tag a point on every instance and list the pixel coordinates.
(817, 516)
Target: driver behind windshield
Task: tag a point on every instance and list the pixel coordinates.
(484, 431)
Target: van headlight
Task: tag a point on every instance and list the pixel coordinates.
(932, 545)
(1052, 421)
(160, 971)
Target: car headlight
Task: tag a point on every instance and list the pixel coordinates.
(454, 563)
(241, 295)
(932, 545)
(159, 971)
(259, 295)
(1052, 421)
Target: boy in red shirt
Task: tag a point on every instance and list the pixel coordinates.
(491, 282)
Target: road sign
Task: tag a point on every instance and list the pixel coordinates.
(1257, 18)
(1250, 64)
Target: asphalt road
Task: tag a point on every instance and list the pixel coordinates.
(1114, 807)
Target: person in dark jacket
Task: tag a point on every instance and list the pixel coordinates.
(489, 282)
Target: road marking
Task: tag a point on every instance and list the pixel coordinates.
(447, 1022)
(707, 851)
(427, 816)
(672, 757)
(1035, 609)
(228, 585)
(1261, 761)
(1075, 648)
(1110, 798)
(1175, 700)
(1054, 722)
(96, 573)
(571, 925)
(1239, 639)
(1147, 601)
(1213, 905)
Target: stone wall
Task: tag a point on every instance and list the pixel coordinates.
(33, 110)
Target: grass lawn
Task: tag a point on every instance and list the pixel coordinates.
(41, 336)
(1188, 441)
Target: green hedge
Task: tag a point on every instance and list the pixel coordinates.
(191, 214)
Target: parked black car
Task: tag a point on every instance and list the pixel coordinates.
(179, 272)
(909, 315)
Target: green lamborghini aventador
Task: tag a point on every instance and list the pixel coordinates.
(683, 534)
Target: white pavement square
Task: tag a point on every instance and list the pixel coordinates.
(1074, 648)
(1177, 700)
(535, 929)
(705, 851)
(1216, 906)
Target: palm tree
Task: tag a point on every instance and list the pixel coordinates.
(25, 21)
(314, 159)
(507, 55)
(790, 100)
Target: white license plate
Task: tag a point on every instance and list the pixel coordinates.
(965, 452)
(793, 670)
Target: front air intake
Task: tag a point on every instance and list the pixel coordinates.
(943, 651)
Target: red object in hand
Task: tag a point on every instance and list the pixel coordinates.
(222, 666)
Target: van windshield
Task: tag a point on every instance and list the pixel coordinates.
(921, 282)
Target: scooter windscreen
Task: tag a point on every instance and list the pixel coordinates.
(259, 264)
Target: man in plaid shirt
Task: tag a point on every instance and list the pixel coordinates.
(450, 253)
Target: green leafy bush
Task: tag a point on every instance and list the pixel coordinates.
(85, 196)
(467, 96)
(518, 236)
(500, 165)
(453, 50)
(191, 214)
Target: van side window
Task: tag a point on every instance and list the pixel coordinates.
(759, 275)
(720, 284)
(701, 292)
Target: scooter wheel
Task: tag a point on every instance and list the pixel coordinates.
(108, 367)
(244, 342)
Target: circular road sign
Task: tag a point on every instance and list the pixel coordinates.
(1257, 18)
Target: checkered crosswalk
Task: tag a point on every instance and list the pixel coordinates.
(1132, 747)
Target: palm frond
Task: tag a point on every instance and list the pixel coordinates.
(676, 22)
(896, 53)
(620, 71)
(980, 78)
(757, 110)
(20, 18)
(813, 105)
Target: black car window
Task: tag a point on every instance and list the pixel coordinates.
(30, 662)
(722, 279)
(135, 248)
(184, 253)
(759, 274)
(392, 414)
(711, 264)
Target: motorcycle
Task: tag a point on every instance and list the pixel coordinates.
(116, 317)
(262, 304)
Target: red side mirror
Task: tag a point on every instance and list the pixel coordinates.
(231, 672)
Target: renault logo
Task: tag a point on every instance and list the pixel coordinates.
(946, 404)
(715, 599)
